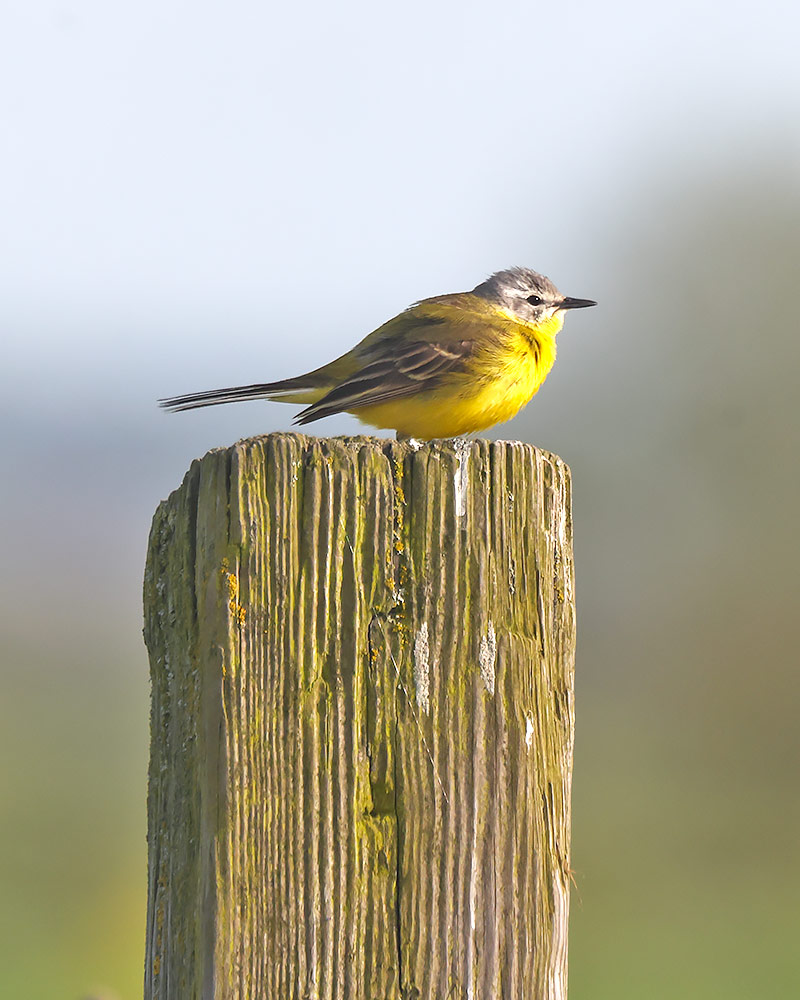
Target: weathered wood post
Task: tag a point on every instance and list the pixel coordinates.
(362, 723)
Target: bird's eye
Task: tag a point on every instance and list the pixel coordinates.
(534, 300)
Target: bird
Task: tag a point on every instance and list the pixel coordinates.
(445, 367)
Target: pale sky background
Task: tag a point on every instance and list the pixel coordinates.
(203, 194)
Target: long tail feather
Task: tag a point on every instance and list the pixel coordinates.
(299, 388)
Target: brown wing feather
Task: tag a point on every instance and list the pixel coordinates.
(404, 369)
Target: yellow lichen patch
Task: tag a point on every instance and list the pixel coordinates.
(398, 529)
(236, 609)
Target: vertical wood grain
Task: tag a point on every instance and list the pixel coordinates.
(362, 723)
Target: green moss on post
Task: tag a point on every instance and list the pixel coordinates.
(362, 723)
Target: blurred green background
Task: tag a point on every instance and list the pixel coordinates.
(204, 194)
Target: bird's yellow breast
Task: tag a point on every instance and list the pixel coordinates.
(505, 372)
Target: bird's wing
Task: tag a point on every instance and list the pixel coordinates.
(400, 368)
(409, 352)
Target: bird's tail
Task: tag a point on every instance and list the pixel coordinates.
(304, 389)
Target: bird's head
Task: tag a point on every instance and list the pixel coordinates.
(530, 296)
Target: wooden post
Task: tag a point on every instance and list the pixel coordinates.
(362, 723)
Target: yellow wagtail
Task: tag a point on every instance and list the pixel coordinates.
(447, 366)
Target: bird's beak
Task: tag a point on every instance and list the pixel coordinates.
(570, 303)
